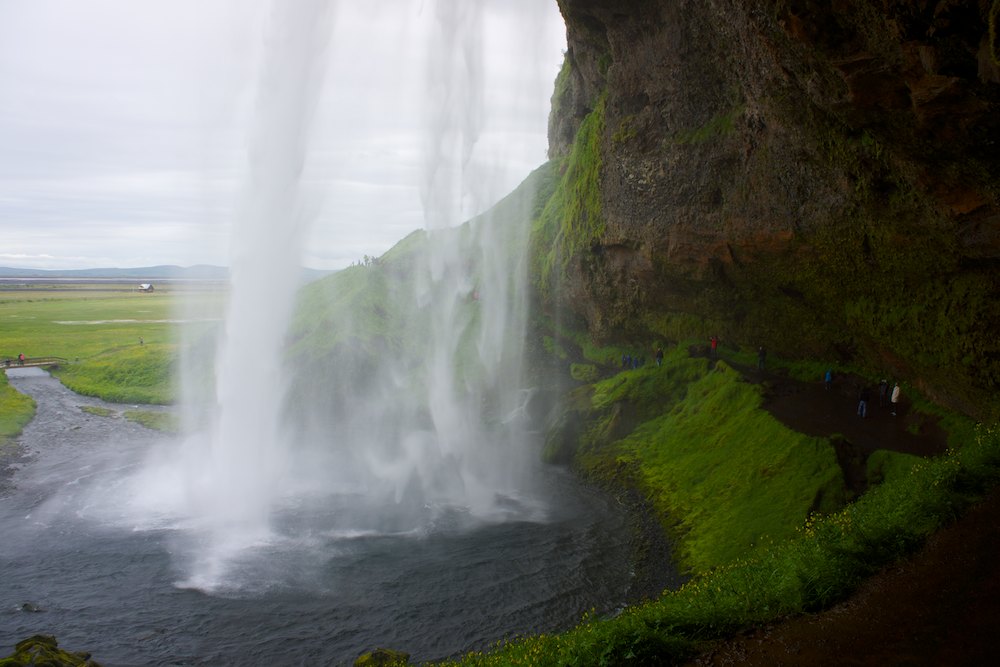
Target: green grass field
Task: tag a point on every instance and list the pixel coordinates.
(119, 345)
(80, 324)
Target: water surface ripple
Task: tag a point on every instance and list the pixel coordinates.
(311, 595)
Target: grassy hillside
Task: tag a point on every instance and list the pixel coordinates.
(723, 471)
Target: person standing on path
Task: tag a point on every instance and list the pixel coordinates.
(863, 402)
(714, 346)
(883, 393)
(659, 356)
(828, 379)
(761, 355)
(895, 398)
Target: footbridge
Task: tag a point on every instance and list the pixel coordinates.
(32, 361)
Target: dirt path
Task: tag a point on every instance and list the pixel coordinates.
(813, 409)
(940, 607)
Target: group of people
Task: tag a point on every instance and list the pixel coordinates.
(632, 361)
(886, 397)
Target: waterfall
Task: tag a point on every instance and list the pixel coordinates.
(232, 467)
(401, 430)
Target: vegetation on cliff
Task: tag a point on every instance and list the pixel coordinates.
(817, 179)
(571, 220)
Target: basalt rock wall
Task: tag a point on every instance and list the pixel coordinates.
(822, 178)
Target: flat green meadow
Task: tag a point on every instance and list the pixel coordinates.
(120, 345)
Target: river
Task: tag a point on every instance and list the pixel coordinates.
(102, 583)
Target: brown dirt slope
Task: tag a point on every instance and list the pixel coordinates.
(940, 607)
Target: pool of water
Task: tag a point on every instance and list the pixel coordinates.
(310, 592)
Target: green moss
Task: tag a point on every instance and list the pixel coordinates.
(626, 130)
(554, 349)
(572, 219)
(44, 650)
(722, 472)
(727, 472)
(884, 466)
(561, 88)
(583, 372)
(383, 657)
(721, 125)
(604, 62)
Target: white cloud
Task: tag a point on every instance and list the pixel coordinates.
(123, 124)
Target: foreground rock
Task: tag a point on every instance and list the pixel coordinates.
(44, 650)
(382, 657)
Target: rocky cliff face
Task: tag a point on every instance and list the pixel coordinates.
(822, 178)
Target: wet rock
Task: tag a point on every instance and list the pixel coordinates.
(382, 657)
(44, 650)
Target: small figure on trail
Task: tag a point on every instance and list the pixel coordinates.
(659, 356)
(141, 341)
(624, 361)
(895, 398)
(863, 399)
(628, 361)
(883, 393)
(20, 359)
(714, 346)
(828, 378)
(761, 355)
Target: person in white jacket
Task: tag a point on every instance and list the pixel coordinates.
(894, 399)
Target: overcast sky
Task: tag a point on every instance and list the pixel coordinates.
(125, 125)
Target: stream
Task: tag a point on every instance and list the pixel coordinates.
(75, 567)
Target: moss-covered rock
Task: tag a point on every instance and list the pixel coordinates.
(44, 651)
(382, 657)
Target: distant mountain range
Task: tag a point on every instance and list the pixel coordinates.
(145, 273)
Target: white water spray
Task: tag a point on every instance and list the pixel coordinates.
(384, 436)
(230, 473)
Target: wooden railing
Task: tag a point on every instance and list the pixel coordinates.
(33, 361)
